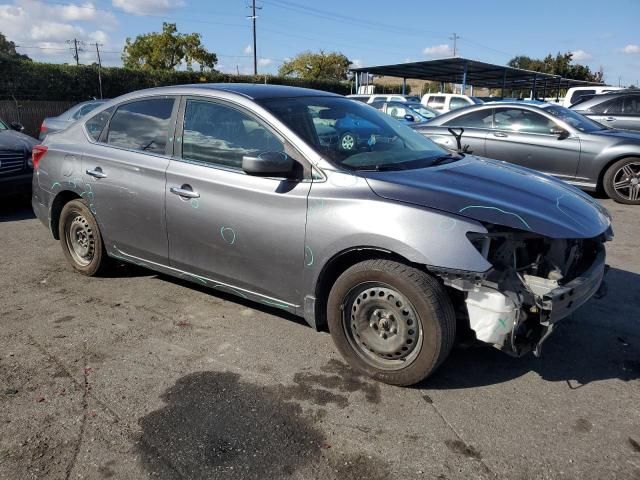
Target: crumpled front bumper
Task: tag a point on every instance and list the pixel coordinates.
(564, 300)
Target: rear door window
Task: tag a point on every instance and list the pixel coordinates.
(522, 121)
(142, 125)
(95, 125)
(457, 102)
(478, 119)
(436, 102)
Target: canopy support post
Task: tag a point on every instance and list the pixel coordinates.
(404, 86)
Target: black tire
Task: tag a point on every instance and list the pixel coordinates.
(616, 173)
(355, 304)
(77, 221)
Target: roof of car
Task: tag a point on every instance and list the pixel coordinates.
(255, 91)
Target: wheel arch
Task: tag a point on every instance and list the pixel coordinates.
(336, 265)
(603, 170)
(60, 200)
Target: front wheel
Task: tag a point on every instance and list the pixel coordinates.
(622, 181)
(391, 321)
(348, 142)
(81, 240)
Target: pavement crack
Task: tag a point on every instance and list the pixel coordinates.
(85, 406)
(485, 467)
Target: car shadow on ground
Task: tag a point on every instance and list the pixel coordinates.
(16, 207)
(600, 341)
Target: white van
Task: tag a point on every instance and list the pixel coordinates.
(444, 102)
(574, 93)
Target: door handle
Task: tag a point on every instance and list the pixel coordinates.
(500, 134)
(97, 173)
(610, 119)
(183, 192)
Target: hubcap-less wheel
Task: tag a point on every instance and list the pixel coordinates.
(626, 181)
(382, 326)
(80, 239)
(348, 142)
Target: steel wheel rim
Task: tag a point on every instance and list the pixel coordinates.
(382, 326)
(348, 142)
(626, 181)
(80, 240)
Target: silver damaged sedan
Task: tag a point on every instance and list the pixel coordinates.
(391, 243)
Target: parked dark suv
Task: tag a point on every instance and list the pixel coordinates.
(616, 110)
(15, 159)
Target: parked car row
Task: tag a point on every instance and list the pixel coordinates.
(15, 159)
(384, 238)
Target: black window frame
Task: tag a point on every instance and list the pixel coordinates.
(169, 148)
(289, 148)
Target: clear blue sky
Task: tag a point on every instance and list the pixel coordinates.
(368, 32)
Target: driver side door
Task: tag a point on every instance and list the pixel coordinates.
(245, 233)
(524, 137)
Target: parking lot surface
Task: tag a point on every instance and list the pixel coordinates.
(140, 375)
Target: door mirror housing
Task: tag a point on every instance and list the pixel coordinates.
(17, 126)
(561, 133)
(409, 118)
(269, 164)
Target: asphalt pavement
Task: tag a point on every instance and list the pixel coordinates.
(139, 375)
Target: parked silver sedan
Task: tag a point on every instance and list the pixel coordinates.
(391, 243)
(62, 121)
(551, 139)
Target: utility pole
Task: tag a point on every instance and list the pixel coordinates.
(455, 38)
(253, 17)
(77, 47)
(99, 68)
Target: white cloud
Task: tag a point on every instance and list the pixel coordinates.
(248, 49)
(443, 50)
(43, 29)
(356, 63)
(631, 49)
(581, 55)
(147, 7)
(264, 62)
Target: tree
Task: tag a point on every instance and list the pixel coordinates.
(316, 66)
(562, 64)
(167, 49)
(8, 50)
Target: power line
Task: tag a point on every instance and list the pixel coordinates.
(75, 49)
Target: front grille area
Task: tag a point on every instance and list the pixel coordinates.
(12, 161)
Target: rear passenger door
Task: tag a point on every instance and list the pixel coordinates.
(622, 112)
(124, 175)
(244, 232)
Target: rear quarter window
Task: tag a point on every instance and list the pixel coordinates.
(95, 125)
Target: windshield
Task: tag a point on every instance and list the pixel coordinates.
(355, 136)
(574, 119)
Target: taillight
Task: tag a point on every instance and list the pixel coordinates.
(37, 154)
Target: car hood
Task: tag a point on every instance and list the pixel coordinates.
(12, 140)
(621, 134)
(498, 193)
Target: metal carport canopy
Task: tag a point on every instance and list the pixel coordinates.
(472, 72)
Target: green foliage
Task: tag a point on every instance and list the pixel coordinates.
(8, 50)
(167, 49)
(316, 66)
(561, 65)
(45, 81)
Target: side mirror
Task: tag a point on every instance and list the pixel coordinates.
(17, 126)
(409, 118)
(269, 164)
(561, 133)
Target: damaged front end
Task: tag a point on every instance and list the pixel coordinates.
(534, 282)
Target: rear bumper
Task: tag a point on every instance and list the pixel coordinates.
(563, 301)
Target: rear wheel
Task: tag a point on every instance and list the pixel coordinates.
(81, 240)
(622, 181)
(390, 321)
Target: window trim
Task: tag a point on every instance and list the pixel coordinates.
(104, 134)
(179, 134)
